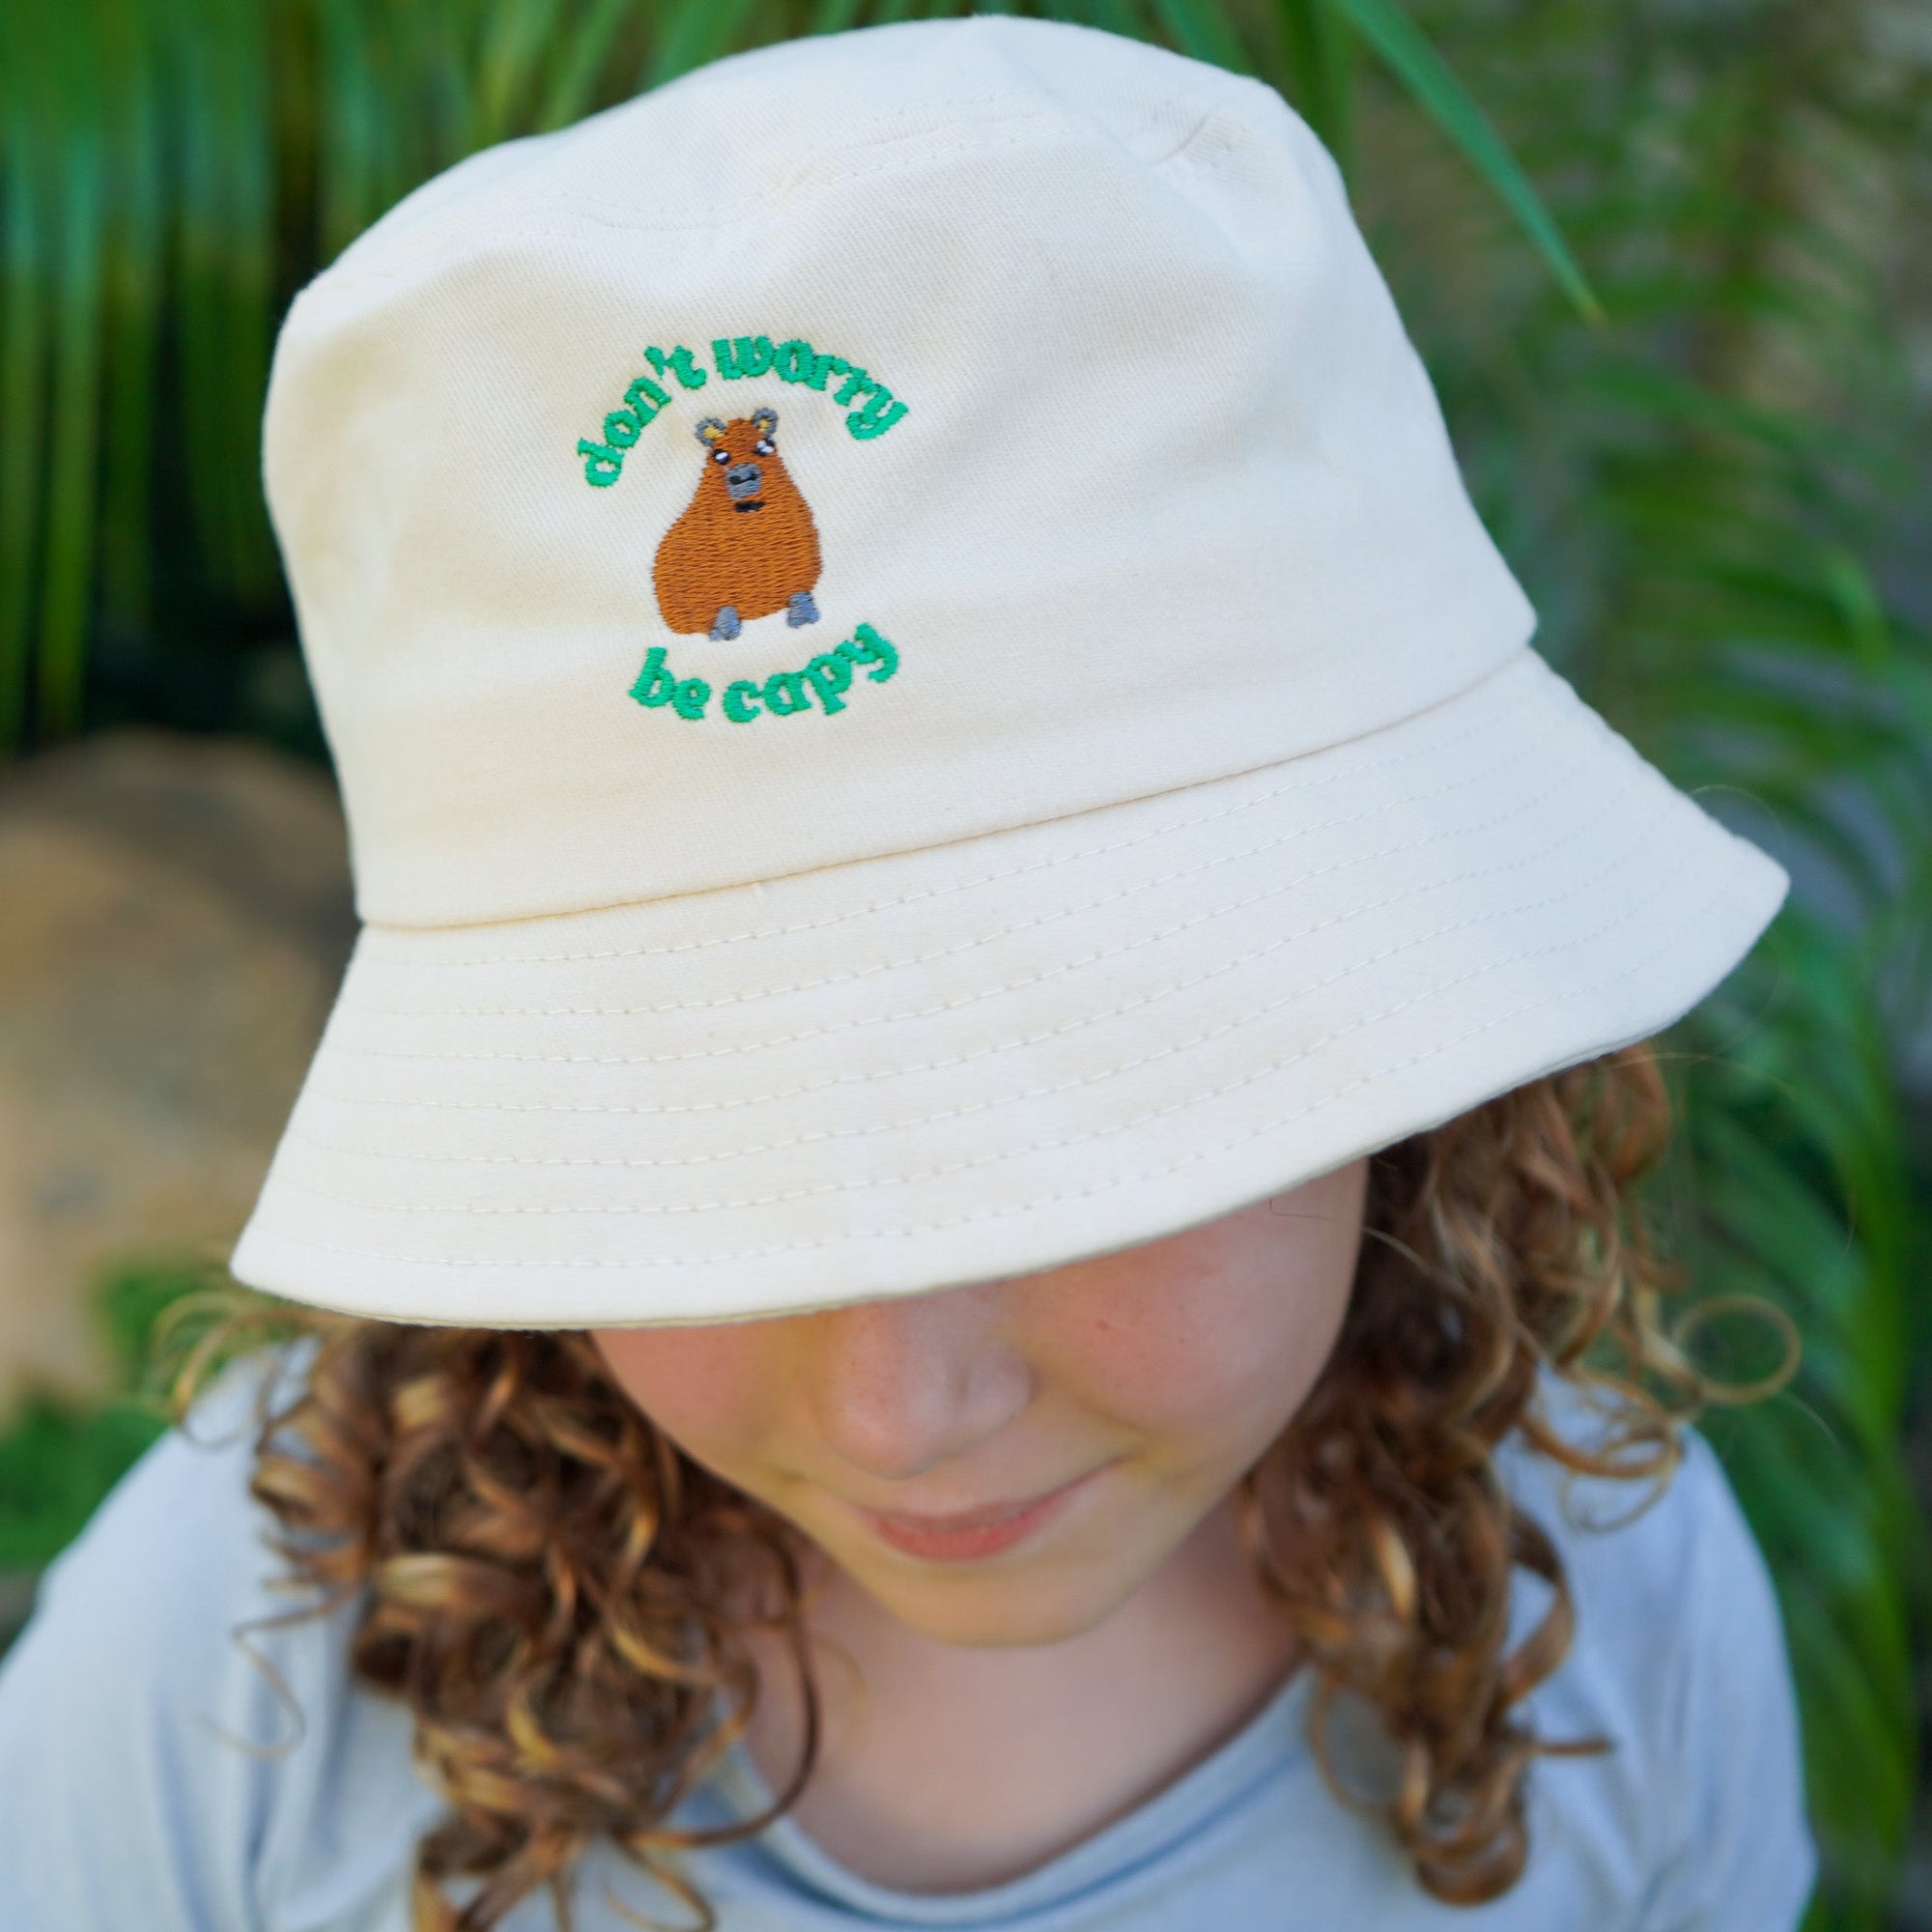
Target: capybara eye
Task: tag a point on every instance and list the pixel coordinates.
(764, 445)
(720, 456)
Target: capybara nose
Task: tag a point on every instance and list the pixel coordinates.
(742, 479)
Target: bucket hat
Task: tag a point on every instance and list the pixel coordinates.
(918, 698)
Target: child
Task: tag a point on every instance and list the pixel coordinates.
(976, 905)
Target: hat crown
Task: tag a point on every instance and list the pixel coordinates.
(866, 442)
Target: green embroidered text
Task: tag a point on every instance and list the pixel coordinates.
(783, 693)
(796, 361)
(792, 360)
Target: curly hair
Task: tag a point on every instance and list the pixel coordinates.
(550, 1579)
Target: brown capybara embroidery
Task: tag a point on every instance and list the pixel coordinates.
(746, 546)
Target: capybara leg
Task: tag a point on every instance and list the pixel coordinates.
(801, 610)
(726, 625)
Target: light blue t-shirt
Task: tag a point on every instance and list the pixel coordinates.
(123, 1808)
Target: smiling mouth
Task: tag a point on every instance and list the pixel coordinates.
(754, 503)
(978, 1519)
(982, 1535)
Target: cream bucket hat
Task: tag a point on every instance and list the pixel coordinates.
(919, 699)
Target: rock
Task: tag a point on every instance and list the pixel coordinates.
(177, 918)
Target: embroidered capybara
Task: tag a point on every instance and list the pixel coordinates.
(747, 545)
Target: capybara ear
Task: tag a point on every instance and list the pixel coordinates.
(710, 432)
(764, 421)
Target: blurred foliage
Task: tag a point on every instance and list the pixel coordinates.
(1700, 496)
(1695, 439)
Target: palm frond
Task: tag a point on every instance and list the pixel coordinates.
(1693, 494)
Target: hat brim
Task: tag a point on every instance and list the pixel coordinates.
(1000, 1054)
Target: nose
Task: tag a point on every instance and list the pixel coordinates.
(742, 479)
(913, 1383)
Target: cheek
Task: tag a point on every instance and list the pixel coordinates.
(706, 1387)
(1218, 1340)
(1207, 1366)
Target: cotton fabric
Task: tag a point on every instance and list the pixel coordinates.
(1205, 820)
(126, 1813)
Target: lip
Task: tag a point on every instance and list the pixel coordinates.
(974, 1533)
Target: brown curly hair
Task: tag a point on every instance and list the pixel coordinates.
(549, 1576)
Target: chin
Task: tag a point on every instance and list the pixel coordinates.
(997, 1609)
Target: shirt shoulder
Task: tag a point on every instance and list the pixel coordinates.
(169, 1752)
(1678, 1660)
(176, 1552)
